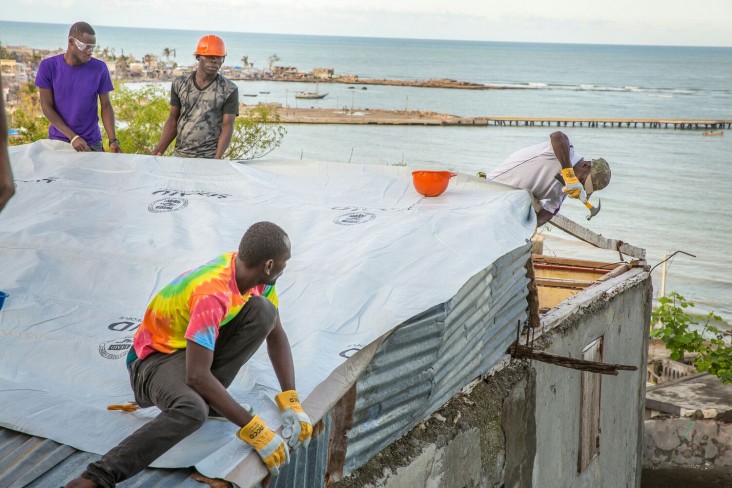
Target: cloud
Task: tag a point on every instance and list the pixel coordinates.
(619, 21)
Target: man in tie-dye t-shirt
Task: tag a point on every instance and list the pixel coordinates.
(197, 333)
(194, 307)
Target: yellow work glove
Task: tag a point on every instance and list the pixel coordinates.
(129, 407)
(296, 426)
(270, 447)
(572, 186)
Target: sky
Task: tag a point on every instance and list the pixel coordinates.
(655, 22)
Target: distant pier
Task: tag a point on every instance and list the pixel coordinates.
(680, 124)
(312, 115)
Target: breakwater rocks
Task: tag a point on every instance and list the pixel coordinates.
(435, 83)
(683, 453)
(683, 441)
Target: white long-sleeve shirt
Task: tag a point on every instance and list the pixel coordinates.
(534, 168)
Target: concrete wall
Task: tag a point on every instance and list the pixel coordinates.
(520, 427)
(619, 311)
(483, 438)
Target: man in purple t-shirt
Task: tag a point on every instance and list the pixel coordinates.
(70, 84)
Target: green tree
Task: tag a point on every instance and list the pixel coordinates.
(685, 333)
(140, 113)
(27, 116)
(257, 132)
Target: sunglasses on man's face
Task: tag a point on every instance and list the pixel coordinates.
(82, 46)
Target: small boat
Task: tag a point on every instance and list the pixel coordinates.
(310, 95)
(264, 93)
(249, 94)
(712, 133)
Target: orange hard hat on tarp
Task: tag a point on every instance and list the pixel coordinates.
(210, 45)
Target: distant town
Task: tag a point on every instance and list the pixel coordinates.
(18, 65)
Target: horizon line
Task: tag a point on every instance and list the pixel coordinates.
(392, 38)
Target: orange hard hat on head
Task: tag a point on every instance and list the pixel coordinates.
(210, 45)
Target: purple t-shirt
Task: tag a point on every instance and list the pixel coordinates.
(75, 93)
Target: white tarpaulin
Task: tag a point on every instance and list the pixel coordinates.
(89, 238)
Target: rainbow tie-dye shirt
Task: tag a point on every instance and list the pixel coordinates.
(193, 307)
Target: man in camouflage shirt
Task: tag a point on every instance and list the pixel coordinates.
(203, 106)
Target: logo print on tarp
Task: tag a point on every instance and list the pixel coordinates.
(354, 218)
(115, 348)
(167, 205)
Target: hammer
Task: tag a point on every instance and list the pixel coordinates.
(593, 210)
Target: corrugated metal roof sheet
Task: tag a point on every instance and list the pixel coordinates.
(307, 467)
(428, 359)
(34, 462)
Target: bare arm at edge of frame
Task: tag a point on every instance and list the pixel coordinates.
(7, 185)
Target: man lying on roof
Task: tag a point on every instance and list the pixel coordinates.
(550, 171)
(197, 333)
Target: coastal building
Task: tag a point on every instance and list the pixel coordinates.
(323, 73)
(15, 73)
(420, 390)
(287, 72)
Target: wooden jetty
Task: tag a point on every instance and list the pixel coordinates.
(683, 124)
(312, 115)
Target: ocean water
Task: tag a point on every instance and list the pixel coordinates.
(669, 189)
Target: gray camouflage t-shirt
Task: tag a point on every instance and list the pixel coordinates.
(201, 114)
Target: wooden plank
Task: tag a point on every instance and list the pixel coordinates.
(583, 263)
(563, 283)
(585, 234)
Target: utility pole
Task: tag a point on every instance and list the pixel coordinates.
(663, 275)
